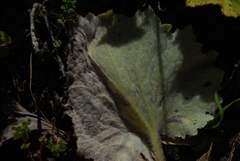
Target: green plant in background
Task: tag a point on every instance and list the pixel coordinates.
(56, 148)
(68, 7)
(68, 12)
(55, 144)
(22, 132)
(221, 111)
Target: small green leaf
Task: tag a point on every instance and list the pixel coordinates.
(17, 135)
(22, 146)
(57, 43)
(18, 128)
(27, 130)
(26, 123)
(72, 11)
(71, 3)
(25, 146)
(25, 136)
(219, 116)
(42, 139)
(64, 7)
(60, 22)
(74, 1)
(61, 146)
(22, 131)
(173, 152)
(56, 154)
(50, 146)
(4, 39)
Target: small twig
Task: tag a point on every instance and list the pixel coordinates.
(45, 117)
(49, 30)
(58, 59)
(39, 155)
(43, 3)
(154, 157)
(235, 143)
(28, 151)
(236, 66)
(30, 81)
(61, 65)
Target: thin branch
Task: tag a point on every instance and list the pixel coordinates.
(30, 81)
(32, 28)
(236, 66)
(49, 30)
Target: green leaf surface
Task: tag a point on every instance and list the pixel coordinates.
(26, 123)
(167, 81)
(42, 139)
(25, 146)
(56, 154)
(228, 7)
(17, 135)
(163, 84)
(25, 136)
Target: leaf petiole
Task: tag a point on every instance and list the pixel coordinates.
(221, 109)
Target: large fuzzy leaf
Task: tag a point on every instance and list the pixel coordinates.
(101, 133)
(228, 7)
(168, 83)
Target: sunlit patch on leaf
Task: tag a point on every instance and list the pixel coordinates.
(228, 7)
